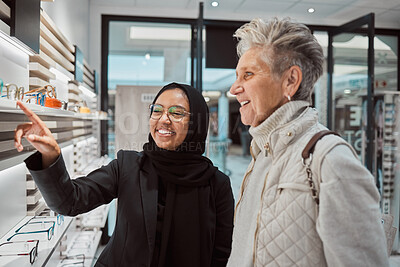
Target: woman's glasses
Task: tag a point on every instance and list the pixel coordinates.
(20, 248)
(175, 113)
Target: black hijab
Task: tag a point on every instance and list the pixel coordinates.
(189, 217)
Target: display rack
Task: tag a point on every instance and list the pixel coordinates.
(76, 131)
(46, 247)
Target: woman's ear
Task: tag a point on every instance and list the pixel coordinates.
(292, 80)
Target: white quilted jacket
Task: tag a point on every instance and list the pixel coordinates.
(277, 223)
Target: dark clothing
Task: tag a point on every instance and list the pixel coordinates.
(187, 176)
(134, 238)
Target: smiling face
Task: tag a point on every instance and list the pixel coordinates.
(168, 134)
(256, 89)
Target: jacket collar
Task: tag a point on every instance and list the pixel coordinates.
(284, 126)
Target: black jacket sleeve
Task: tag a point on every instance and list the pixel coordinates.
(224, 204)
(76, 196)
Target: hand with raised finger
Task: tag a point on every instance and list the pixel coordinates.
(37, 133)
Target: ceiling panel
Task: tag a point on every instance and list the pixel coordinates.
(321, 10)
(386, 4)
(338, 2)
(224, 6)
(115, 2)
(389, 17)
(328, 12)
(163, 4)
(354, 12)
(264, 6)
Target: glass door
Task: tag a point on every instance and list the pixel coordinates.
(351, 85)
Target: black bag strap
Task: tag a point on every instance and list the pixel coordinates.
(307, 154)
(309, 149)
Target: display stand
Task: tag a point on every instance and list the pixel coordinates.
(46, 247)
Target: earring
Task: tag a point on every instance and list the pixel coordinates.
(289, 98)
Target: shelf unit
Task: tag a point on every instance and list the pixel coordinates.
(54, 64)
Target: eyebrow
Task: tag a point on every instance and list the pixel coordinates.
(178, 106)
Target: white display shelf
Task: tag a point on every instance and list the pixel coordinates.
(34, 198)
(7, 105)
(45, 249)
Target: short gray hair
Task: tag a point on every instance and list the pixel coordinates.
(291, 44)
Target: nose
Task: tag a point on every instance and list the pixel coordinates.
(236, 88)
(164, 117)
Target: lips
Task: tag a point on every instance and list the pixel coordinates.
(242, 103)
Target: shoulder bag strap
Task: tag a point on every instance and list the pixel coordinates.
(307, 159)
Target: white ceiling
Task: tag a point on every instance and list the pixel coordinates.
(327, 12)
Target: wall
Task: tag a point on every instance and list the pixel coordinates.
(72, 18)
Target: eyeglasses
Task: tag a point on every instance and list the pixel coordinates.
(38, 98)
(175, 113)
(32, 253)
(13, 92)
(48, 90)
(35, 227)
(60, 219)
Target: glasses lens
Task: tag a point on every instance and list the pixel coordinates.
(156, 111)
(176, 113)
(33, 255)
(50, 233)
(12, 91)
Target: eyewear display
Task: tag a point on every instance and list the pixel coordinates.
(46, 96)
(174, 113)
(13, 92)
(35, 227)
(25, 251)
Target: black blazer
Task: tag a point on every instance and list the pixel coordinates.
(132, 242)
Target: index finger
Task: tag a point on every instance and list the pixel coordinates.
(30, 114)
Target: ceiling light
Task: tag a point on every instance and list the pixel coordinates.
(347, 91)
(311, 10)
(214, 4)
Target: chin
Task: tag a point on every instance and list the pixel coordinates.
(165, 146)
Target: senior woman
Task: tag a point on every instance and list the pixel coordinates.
(277, 220)
(174, 207)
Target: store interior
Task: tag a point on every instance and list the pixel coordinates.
(90, 68)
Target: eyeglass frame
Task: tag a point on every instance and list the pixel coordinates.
(59, 218)
(50, 231)
(18, 94)
(45, 89)
(151, 106)
(40, 98)
(32, 254)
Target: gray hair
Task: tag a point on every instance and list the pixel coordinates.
(291, 44)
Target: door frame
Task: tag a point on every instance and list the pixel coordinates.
(355, 26)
